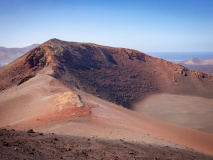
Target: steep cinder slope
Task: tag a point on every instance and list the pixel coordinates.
(119, 75)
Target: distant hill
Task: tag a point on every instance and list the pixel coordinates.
(196, 64)
(7, 55)
(196, 61)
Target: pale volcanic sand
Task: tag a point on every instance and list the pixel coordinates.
(28, 100)
(186, 111)
(38, 104)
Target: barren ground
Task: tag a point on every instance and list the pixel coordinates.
(72, 89)
(23, 145)
(22, 108)
(186, 111)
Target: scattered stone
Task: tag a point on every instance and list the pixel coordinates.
(183, 73)
(84, 153)
(69, 148)
(30, 131)
(174, 80)
(41, 134)
(5, 144)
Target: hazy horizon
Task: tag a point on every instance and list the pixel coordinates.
(146, 25)
(180, 56)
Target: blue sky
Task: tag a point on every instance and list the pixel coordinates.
(145, 25)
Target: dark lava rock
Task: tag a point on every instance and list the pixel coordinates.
(30, 131)
(5, 144)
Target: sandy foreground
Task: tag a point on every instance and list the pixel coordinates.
(44, 104)
(21, 144)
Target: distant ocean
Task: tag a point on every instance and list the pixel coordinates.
(177, 56)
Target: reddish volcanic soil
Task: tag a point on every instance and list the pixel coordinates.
(57, 88)
(21, 144)
(87, 116)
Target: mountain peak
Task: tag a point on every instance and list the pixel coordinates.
(54, 40)
(103, 71)
(195, 58)
(86, 66)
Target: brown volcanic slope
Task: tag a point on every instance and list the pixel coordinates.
(31, 98)
(118, 75)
